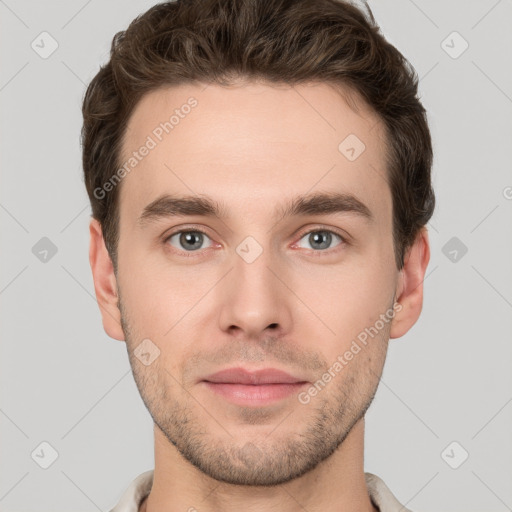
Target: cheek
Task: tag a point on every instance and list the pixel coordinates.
(350, 303)
(347, 298)
(156, 292)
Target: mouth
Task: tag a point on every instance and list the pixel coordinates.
(259, 388)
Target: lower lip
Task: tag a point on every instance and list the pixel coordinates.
(248, 394)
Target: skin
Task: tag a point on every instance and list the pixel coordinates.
(297, 307)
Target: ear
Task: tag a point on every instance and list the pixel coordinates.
(105, 283)
(410, 285)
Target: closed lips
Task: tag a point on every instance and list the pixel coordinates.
(255, 378)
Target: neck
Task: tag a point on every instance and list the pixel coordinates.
(338, 483)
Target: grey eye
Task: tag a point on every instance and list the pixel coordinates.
(188, 240)
(320, 239)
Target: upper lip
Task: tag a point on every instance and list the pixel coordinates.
(243, 376)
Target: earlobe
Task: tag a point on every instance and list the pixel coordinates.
(410, 285)
(105, 283)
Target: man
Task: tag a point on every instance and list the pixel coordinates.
(259, 174)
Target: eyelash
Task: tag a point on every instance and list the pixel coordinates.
(194, 254)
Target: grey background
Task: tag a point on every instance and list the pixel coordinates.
(65, 382)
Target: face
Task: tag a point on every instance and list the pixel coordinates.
(261, 284)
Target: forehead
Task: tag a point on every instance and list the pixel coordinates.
(252, 145)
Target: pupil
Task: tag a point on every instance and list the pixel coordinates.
(188, 238)
(317, 237)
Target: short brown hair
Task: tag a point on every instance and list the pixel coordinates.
(278, 41)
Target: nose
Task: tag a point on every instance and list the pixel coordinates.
(253, 298)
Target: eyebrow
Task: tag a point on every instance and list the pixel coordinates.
(168, 205)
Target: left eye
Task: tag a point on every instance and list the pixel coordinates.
(320, 239)
(189, 240)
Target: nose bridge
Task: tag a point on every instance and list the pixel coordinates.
(252, 298)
